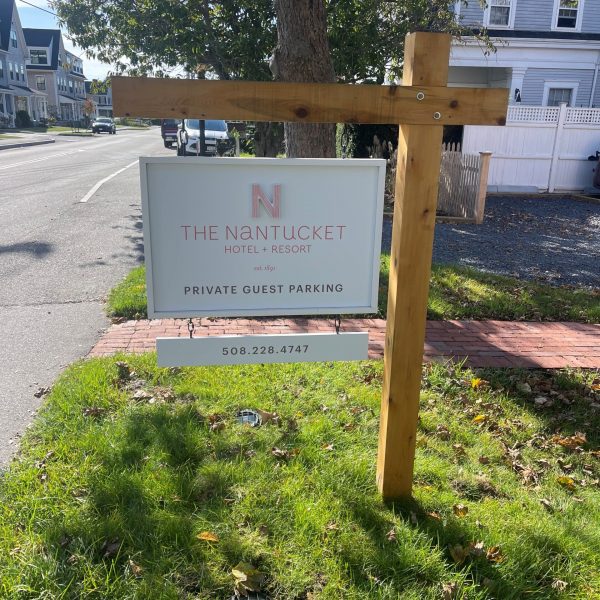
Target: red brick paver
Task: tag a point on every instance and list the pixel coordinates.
(480, 343)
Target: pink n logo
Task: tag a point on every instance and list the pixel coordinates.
(273, 207)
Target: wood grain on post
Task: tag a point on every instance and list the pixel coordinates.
(426, 60)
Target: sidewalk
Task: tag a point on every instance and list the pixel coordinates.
(21, 140)
(481, 343)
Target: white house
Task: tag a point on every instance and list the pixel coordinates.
(56, 71)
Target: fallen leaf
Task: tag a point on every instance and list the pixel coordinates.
(218, 426)
(207, 536)
(93, 411)
(141, 395)
(111, 549)
(484, 460)
(572, 442)
(136, 570)
(494, 554)
(476, 549)
(529, 476)
(459, 449)
(442, 432)
(42, 392)
(559, 585)
(449, 591)
(328, 447)
(524, 388)
(567, 467)
(285, 454)
(458, 553)
(332, 526)
(566, 482)
(477, 382)
(460, 510)
(349, 427)
(547, 504)
(247, 578)
(391, 535)
(434, 515)
(479, 419)
(268, 417)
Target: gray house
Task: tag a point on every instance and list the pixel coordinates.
(548, 51)
(15, 94)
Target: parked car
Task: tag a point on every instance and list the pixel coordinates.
(104, 124)
(188, 136)
(168, 131)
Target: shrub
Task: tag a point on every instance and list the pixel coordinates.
(22, 119)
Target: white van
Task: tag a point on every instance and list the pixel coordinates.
(188, 136)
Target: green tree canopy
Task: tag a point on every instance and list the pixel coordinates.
(233, 39)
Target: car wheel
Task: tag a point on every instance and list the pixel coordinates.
(168, 144)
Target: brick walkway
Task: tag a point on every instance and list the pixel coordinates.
(481, 343)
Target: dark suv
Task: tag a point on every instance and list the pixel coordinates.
(104, 124)
(168, 131)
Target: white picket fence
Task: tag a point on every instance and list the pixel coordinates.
(462, 184)
(542, 148)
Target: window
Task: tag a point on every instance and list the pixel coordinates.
(1, 70)
(13, 38)
(40, 82)
(22, 73)
(499, 13)
(70, 87)
(10, 70)
(557, 96)
(567, 14)
(39, 57)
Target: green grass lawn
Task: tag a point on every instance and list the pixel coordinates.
(4, 136)
(138, 482)
(52, 129)
(455, 293)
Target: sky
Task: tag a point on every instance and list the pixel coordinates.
(35, 18)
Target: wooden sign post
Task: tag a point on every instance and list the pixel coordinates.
(422, 105)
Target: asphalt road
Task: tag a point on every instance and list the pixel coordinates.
(64, 243)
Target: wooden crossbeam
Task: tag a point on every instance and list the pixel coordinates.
(307, 102)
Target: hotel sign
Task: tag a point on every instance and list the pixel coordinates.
(252, 237)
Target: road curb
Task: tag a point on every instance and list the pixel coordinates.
(25, 144)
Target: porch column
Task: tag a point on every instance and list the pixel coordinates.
(516, 83)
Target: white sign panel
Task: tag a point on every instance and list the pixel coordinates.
(250, 237)
(251, 349)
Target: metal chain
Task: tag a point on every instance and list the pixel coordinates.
(191, 328)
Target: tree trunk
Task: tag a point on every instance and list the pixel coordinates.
(268, 139)
(302, 55)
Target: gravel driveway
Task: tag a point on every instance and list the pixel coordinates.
(551, 239)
